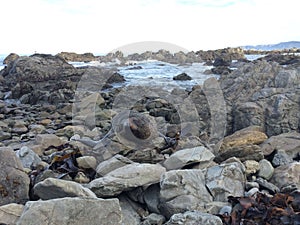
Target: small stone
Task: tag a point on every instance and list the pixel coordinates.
(81, 178)
(251, 192)
(19, 127)
(266, 169)
(154, 218)
(87, 162)
(45, 122)
(250, 185)
(251, 167)
(225, 210)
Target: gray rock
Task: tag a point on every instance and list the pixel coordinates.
(29, 158)
(267, 185)
(251, 192)
(111, 164)
(46, 140)
(266, 169)
(225, 180)
(287, 175)
(76, 211)
(281, 158)
(52, 188)
(14, 182)
(151, 198)
(215, 207)
(9, 214)
(288, 143)
(194, 217)
(126, 178)
(153, 219)
(183, 190)
(87, 162)
(250, 185)
(130, 215)
(188, 156)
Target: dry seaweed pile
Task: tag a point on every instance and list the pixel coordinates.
(280, 209)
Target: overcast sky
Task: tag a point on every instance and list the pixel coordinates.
(100, 26)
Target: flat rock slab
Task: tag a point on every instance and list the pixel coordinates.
(9, 214)
(126, 178)
(188, 156)
(52, 188)
(75, 211)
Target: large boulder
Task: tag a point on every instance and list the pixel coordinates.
(14, 183)
(55, 188)
(264, 94)
(126, 178)
(40, 78)
(243, 144)
(226, 180)
(183, 190)
(76, 211)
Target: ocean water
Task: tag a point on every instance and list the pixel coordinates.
(2, 57)
(160, 74)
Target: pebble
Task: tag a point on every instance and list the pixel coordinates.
(251, 167)
(266, 169)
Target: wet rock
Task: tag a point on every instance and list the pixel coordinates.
(126, 178)
(111, 164)
(76, 211)
(51, 188)
(182, 76)
(183, 190)
(225, 180)
(14, 183)
(194, 217)
(188, 156)
(9, 214)
(28, 157)
(266, 169)
(286, 175)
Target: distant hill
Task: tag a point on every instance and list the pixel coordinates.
(279, 46)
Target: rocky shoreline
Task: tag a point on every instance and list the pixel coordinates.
(226, 152)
